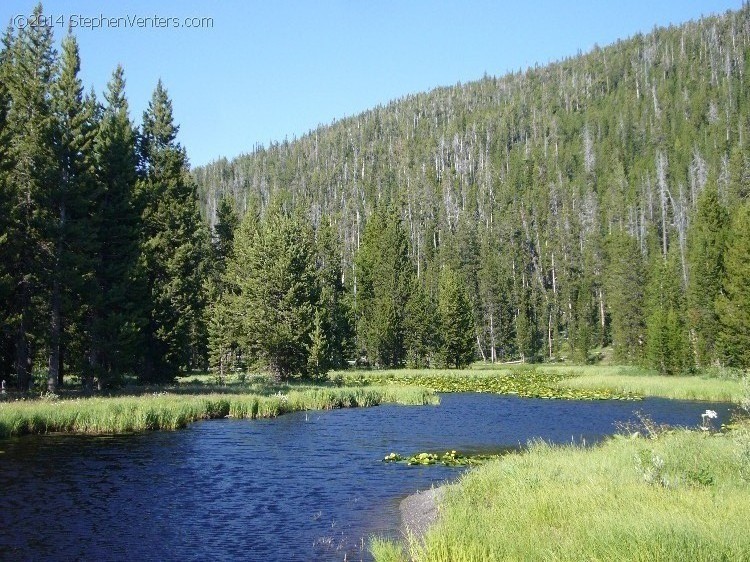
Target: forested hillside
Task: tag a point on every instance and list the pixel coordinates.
(599, 200)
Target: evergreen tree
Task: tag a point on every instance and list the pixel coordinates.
(332, 335)
(227, 220)
(527, 334)
(6, 208)
(72, 229)
(706, 243)
(422, 325)
(456, 320)
(173, 246)
(580, 332)
(384, 277)
(32, 172)
(625, 283)
(495, 296)
(272, 272)
(667, 348)
(734, 302)
(222, 334)
(117, 316)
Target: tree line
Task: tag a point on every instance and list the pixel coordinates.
(102, 247)
(279, 299)
(108, 270)
(598, 201)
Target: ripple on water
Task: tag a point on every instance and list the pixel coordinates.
(299, 487)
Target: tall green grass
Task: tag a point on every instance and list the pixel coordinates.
(557, 381)
(679, 497)
(169, 411)
(679, 388)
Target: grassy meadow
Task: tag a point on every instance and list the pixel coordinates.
(620, 380)
(195, 397)
(679, 495)
(560, 381)
(173, 410)
(669, 495)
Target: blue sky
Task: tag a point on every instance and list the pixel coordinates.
(265, 71)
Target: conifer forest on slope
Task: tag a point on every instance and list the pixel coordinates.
(598, 201)
(601, 200)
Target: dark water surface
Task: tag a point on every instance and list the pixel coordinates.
(306, 486)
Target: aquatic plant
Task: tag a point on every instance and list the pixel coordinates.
(449, 458)
(527, 383)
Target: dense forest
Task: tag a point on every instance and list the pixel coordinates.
(548, 214)
(102, 247)
(598, 201)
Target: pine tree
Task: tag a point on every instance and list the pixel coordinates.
(174, 246)
(706, 244)
(734, 302)
(456, 320)
(495, 295)
(272, 273)
(72, 229)
(383, 280)
(6, 208)
(422, 327)
(580, 332)
(226, 307)
(222, 333)
(667, 347)
(332, 334)
(30, 70)
(527, 335)
(227, 220)
(625, 282)
(117, 316)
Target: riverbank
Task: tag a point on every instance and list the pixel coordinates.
(252, 396)
(173, 410)
(638, 382)
(419, 512)
(554, 381)
(673, 495)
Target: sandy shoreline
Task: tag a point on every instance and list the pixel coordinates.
(419, 511)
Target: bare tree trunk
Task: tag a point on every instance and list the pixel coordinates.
(55, 330)
(493, 352)
(23, 356)
(549, 334)
(661, 176)
(481, 351)
(602, 320)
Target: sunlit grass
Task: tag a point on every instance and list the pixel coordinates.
(680, 388)
(386, 550)
(529, 382)
(678, 497)
(127, 414)
(562, 381)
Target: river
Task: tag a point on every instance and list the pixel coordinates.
(305, 486)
